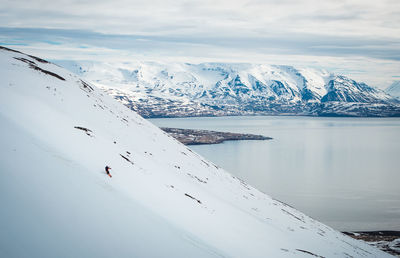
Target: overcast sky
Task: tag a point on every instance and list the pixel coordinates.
(357, 38)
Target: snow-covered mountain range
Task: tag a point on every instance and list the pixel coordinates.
(180, 89)
(58, 132)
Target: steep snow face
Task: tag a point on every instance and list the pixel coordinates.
(59, 132)
(182, 89)
(343, 89)
(394, 89)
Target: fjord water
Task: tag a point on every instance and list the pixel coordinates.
(342, 171)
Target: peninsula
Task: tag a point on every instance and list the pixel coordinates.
(196, 137)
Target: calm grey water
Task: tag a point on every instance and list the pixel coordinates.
(341, 171)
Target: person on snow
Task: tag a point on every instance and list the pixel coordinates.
(108, 171)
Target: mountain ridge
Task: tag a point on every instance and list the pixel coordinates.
(214, 89)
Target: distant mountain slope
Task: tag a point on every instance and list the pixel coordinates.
(57, 134)
(394, 89)
(181, 89)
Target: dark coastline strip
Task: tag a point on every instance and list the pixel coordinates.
(387, 241)
(197, 137)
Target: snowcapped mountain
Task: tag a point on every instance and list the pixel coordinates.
(58, 132)
(181, 89)
(394, 89)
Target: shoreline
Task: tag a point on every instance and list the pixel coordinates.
(199, 137)
(386, 240)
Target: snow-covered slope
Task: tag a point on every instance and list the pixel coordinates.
(394, 89)
(182, 89)
(57, 134)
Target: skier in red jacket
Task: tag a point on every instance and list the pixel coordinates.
(108, 171)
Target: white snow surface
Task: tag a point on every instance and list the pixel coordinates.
(166, 201)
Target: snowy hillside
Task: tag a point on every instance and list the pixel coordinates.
(58, 133)
(394, 89)
(181, 89)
